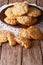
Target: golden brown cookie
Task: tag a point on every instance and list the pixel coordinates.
(20, 8)
(34, 12)
(9, 13)
(11, 39)
(10, 21)
(3, 36)
(7, 36)
(23, 33)
(26, 20)
(35, 32)
(23, 42)
(34, 21)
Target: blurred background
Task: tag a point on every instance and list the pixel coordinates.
(38, 2)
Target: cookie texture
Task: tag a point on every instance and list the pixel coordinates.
(11, 39)
(10, 21)
(20, 8)
(26, 20)
(3, 36)
(35, 32)
(23, 42)
(23, 33)
(9, 13)
(34, 12)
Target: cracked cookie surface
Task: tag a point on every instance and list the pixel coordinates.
(23, 33)
(11, 39)
(26, 20)
(23, 42)
(35, 32)
(34, 12)
(20, 9)
(3, 36)
(10, 21)
(9, 13)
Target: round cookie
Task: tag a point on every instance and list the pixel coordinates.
(20, 9)
(23, 33)
(23, 42)
(34, 12)
(35, 32)
(7, 36)
(10, 21)
(26, 20)
(3, 36)
(9, 13)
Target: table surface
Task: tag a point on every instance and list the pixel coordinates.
(21, 56)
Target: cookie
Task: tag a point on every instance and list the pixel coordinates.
(3, 36)
(34, 21)
(23, 42)
(11, 39)
(10, 21)
(9, 13)
(34, 12)
(35, 32)
(20, 8)
(23, 33)
(26, 20)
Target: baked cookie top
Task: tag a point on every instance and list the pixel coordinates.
(35, 32)
(26, 20)
(34, 12)
(11, 39)
(10, 21)
(20, 9)
(7, 36)
(3, 35)
(23, 33)
(9, 13)
(23, 42)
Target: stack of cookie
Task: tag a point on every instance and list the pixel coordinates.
(26, 36)
(22, 13)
